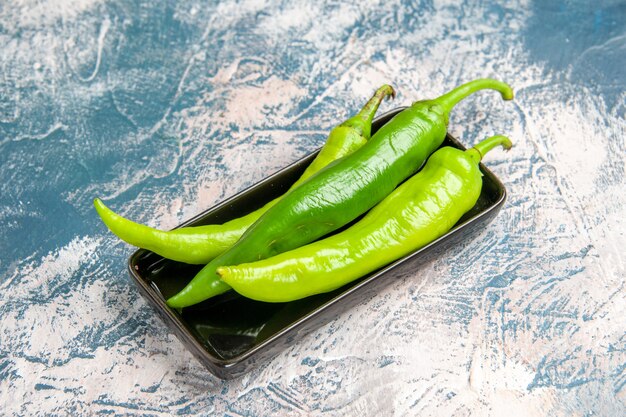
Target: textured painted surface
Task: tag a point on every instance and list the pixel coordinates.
(163, 110)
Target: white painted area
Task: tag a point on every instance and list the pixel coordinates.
(527, 319)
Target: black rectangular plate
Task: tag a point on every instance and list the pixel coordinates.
(229, 334)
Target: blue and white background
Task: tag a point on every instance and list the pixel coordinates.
(165, 108)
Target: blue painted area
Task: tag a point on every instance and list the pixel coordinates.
(582, 40)
(165, 109)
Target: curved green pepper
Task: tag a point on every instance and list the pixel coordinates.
(416, 213)
(200, 244)
(342, 191)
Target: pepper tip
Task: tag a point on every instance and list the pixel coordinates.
(172, 302)
(508, 94)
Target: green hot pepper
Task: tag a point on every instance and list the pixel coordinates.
(416, 213)
(342, 191)
(200, 244)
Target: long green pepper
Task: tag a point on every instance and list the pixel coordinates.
(342, 191)
(200, 244)
(423, 208)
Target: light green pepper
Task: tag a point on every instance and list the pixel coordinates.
(200, 244)
(419, 211)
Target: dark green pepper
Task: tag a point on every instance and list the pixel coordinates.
(200, 244)
(423, 208)
(342, 191)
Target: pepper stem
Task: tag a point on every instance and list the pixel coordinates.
(362, 121)
(451, 99)
(480, 149)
